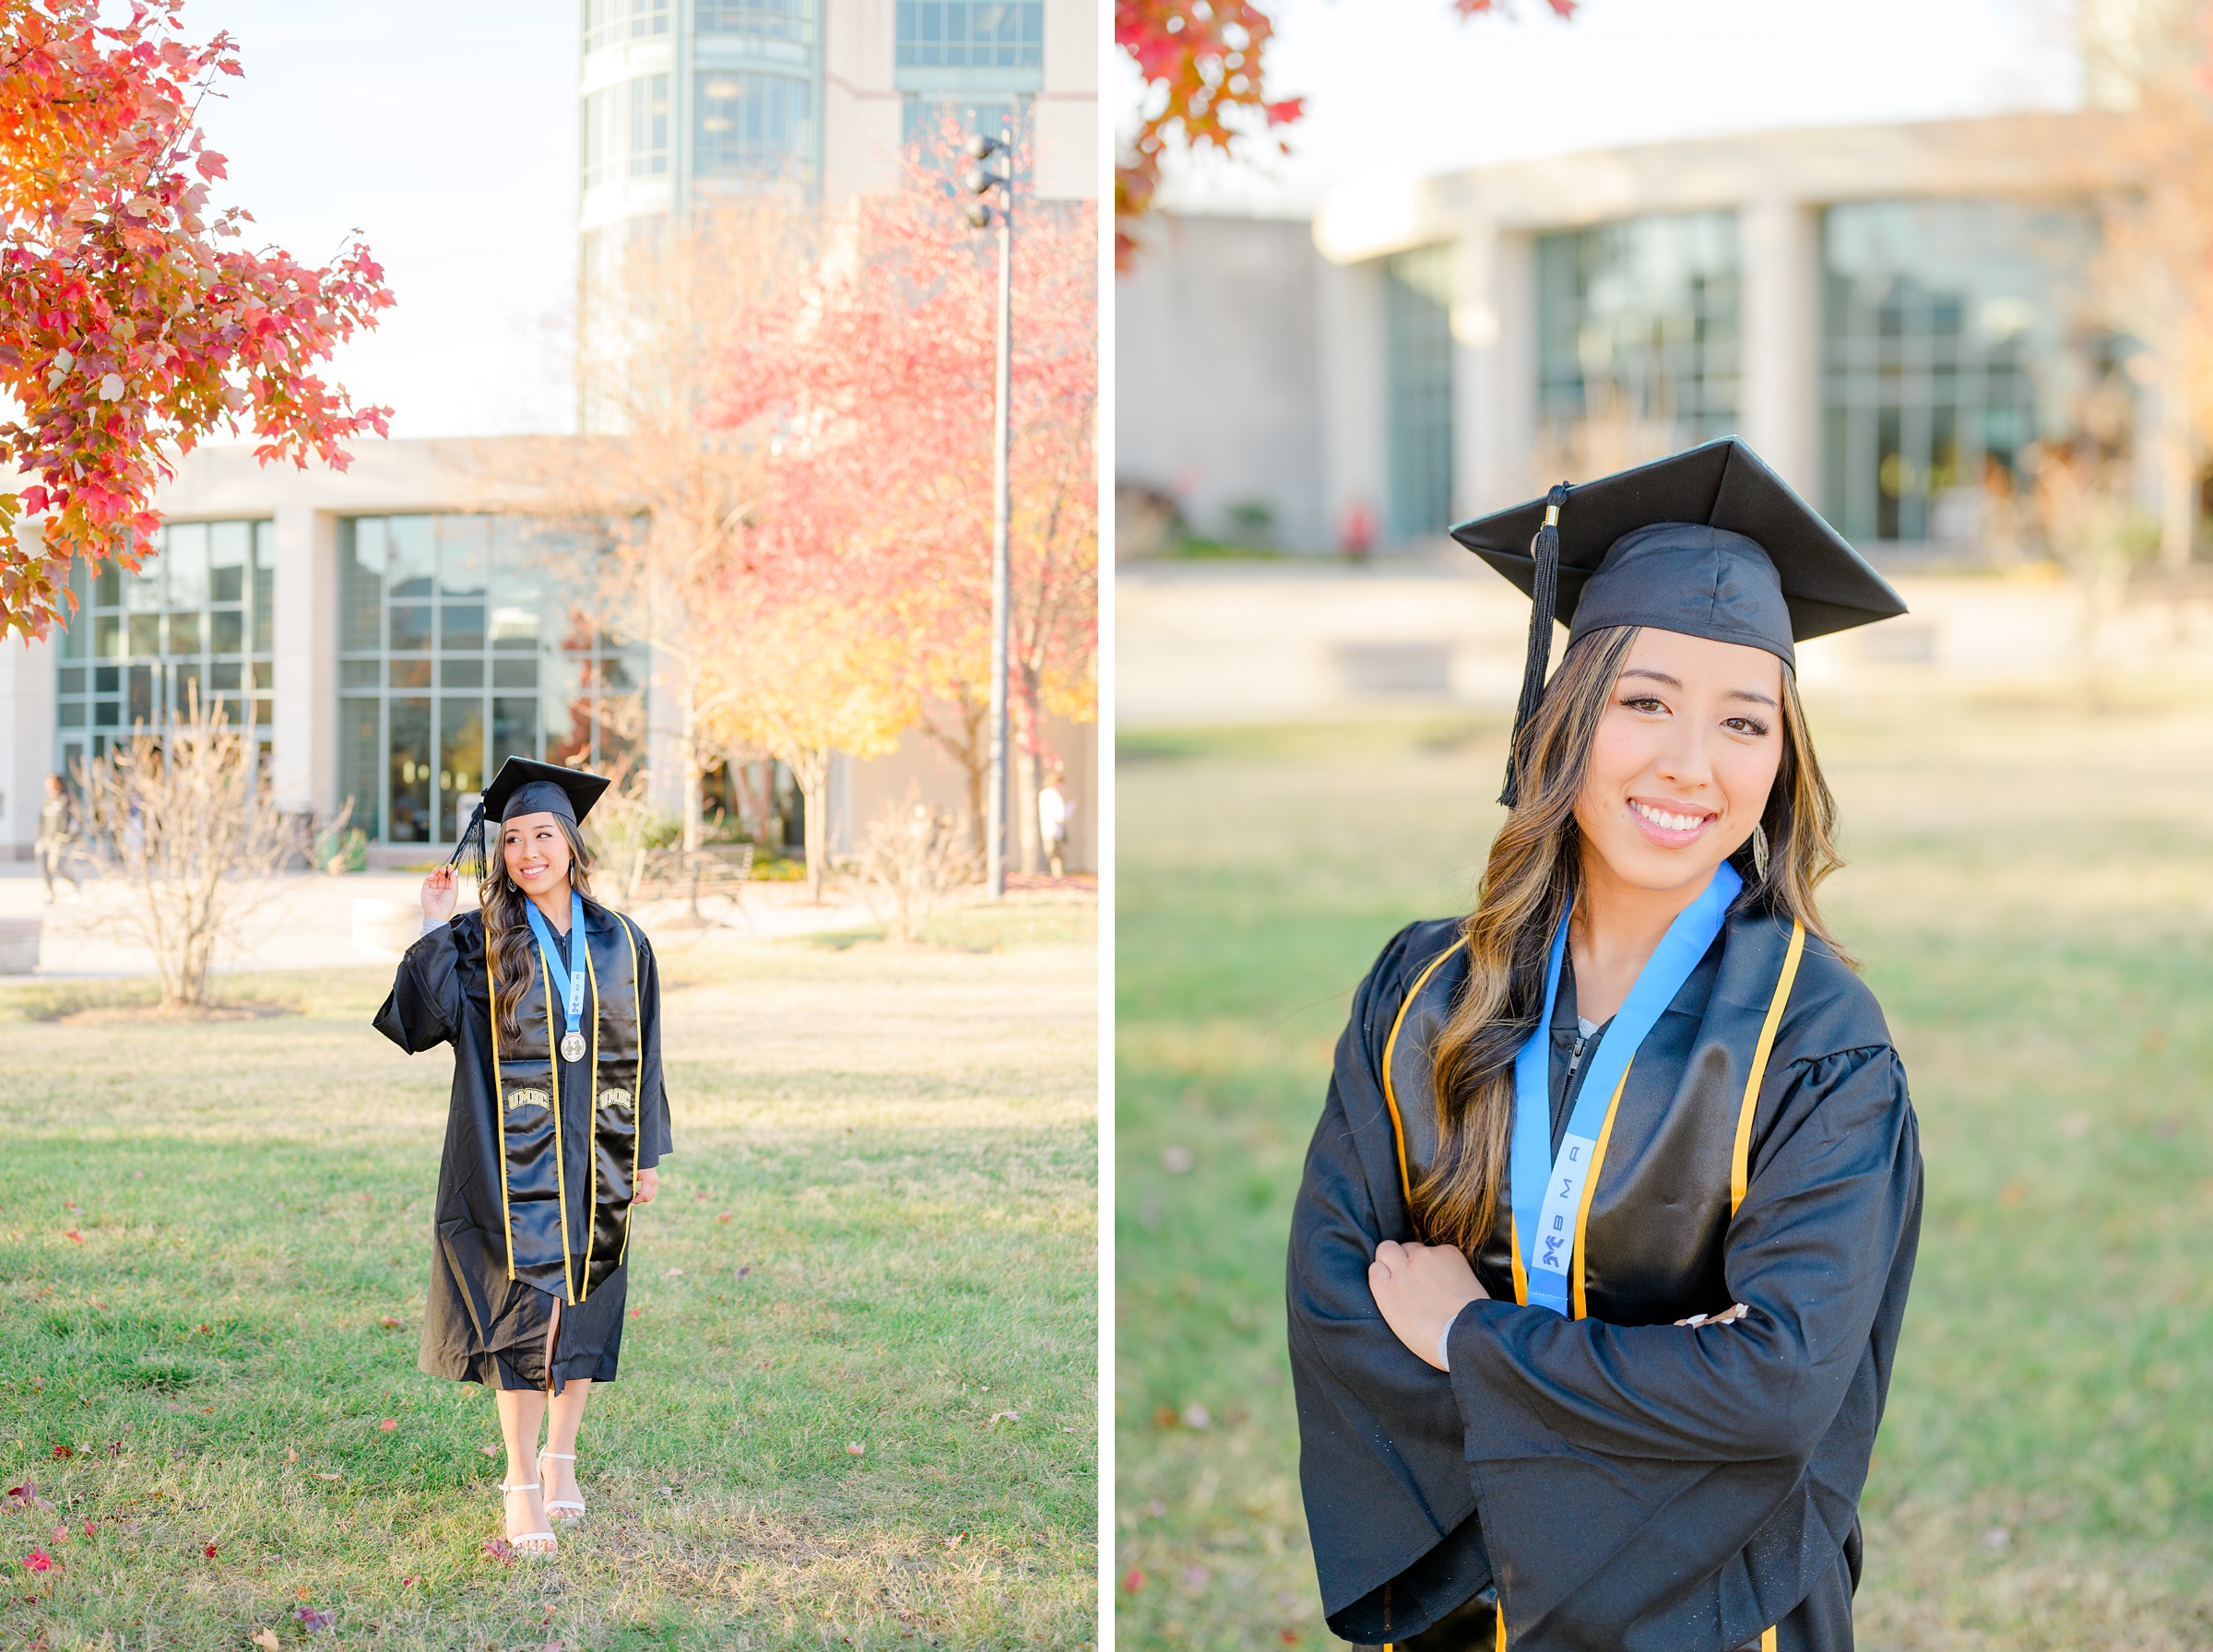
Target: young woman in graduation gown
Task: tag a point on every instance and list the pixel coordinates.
(558, 1120)
(1604, 1238)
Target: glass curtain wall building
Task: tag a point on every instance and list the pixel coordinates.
(198, 619)
(465, 640)
(977, 62)
(1952, 343)
(1637, 329)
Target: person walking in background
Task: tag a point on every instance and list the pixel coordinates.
(1052, 820)
(557, 1121)
(1598, 1268)
(55, 844)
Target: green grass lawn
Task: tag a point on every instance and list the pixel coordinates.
(877, 1231)
(2031, 894)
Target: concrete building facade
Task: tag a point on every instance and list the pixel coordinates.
(1895, 316)
(389, 633)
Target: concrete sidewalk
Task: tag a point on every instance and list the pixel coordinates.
(312, 921)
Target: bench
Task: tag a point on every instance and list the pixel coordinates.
(723, 869)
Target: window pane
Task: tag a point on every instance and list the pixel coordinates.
(184, 633)
(146, 634)
(107, 590)
(185, 552)
(142, 590)
(513, 729)
(461, 759)
(226, 632)
(107, 679)
(753, 126)
(566, 694)
(229, 547)
(107, 636)
(1417, 302)
(411, 628)
(362, 582)
(71, 679)
(139, 697)
(357, 674)
(515, 674)
(360, 757)
(224, 677)
(408, 772)
(464, 555)
(413, 557)
(460, 673)
(461, 629)
(410, 674)
(72, 714)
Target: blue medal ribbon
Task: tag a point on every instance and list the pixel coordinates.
(568, 986)
(1548, 1192)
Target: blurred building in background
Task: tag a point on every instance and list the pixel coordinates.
(393, 632)
(1903, 319)
(685, 102)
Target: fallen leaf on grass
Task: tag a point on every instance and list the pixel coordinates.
(61, 1534)
(387, 1425)
(61, 1451)
(489, 1450)
(1288, 1636)
(854, 1448)
(211, 1552)
(497, 1547)
(38, 1560)
(299, 1590)
(91, 1531)
(73, 1236)
(743, 1271)
(1197, 1416)
(724, 1216)
(999, 1417)
(291, 1454)
(321, 1475)
(954, 1541)
(314, 1619)
(389, 1323)
(266, 1638)
(637, 1313)
(673, 1273)
(205, 1330)
(1132, 1580)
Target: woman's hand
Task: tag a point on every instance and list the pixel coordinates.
(439, 895)
(1728, 1315)
(1421, 1289)
(648, 1187)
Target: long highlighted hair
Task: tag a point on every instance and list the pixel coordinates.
(508, 938)
(1528, 886)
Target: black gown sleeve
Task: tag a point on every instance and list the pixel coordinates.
(654, 1141)
(1633, 1455)
(1391, 1510)
(426, 1003)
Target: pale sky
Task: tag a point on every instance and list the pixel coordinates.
(447, 134)
(1402, 86)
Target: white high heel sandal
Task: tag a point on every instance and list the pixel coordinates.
(517, 1541)
(560, 1456)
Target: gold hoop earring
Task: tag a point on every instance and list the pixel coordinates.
(1759, 852)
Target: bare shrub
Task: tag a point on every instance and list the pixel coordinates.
(623, 827)
(185, 820)
(911, 858)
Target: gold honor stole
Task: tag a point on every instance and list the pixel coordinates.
(1740, 1156)
(543, 1248)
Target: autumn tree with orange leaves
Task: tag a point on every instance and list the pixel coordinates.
(132, 321)
(876, 521)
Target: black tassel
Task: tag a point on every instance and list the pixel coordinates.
(1544, 550)
(470, 853)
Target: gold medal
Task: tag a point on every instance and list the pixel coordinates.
(571, 1046)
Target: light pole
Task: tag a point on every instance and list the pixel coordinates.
(979, 180)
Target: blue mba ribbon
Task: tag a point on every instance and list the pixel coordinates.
(1547, 1192)
(568, 986)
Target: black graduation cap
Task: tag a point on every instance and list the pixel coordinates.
(526, 786)
(1709, 542)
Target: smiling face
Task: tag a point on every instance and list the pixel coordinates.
(535, 852)
(1683, 761)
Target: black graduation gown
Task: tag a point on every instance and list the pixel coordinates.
(518, 1230)
(1623, 1484)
